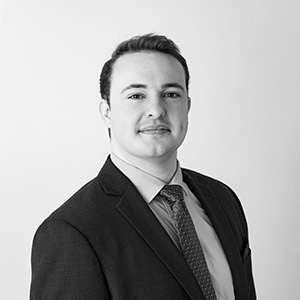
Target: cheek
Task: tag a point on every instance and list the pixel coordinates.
(183, 125)
(180, 116)
(123, 123)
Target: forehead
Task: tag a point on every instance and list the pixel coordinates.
(142, 66)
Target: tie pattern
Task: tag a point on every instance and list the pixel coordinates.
(188, 239)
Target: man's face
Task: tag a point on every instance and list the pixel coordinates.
(148, 113)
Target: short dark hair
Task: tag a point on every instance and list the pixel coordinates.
(147, 42)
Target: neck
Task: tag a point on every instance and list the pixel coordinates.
(163, 168)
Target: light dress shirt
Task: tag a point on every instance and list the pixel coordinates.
(149, 186)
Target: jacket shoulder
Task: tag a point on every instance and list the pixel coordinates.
(79, 201)
(223, 193)
(205, 180)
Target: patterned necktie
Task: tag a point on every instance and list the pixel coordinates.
(188, 239)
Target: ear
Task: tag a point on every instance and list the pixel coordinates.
(105, 112)
(189, 103)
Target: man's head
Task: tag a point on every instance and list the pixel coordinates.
(147, 42)
(145, 99)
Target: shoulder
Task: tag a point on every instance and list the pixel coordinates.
(83, 216)
(94, 203)
(84, 207)
(222, 193)
(190, 175)
(81, 201)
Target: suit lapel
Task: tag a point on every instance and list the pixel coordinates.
(215, 211)
(140, 216)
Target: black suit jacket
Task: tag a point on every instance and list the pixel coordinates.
(105, 243)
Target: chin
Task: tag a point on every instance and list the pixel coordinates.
(159, 153)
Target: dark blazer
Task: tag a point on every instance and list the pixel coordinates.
(105, 243)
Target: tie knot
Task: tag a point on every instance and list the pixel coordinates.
(172, 192)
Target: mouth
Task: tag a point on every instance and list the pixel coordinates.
(155, 129)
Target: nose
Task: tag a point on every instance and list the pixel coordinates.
(155, 108)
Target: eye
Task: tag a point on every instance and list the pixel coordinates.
(137, 96)
(172, 95)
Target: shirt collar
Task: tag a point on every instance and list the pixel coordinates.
(146, 184)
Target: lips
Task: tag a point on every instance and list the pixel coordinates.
(154, 129)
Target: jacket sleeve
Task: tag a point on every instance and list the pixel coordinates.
(64, 265)
(247, 259)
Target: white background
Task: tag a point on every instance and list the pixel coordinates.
(244, 59)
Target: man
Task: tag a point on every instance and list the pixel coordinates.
(145, 228)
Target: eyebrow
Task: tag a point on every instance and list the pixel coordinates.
(144, 86)
(134, 86)
(173, 85)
